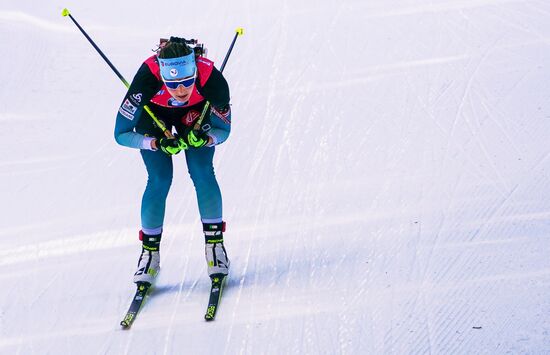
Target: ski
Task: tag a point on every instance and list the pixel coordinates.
(218, 281)
(137, 302)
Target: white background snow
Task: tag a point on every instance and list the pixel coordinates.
(385, 184)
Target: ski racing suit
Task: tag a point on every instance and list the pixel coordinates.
(135, 129)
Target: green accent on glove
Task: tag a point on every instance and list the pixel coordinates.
(172, 146)
(196, 139)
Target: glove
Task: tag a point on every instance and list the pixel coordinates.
(172, 146)
(196, 139)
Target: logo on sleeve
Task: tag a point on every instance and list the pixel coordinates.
(137, 98)
(127, 109)
(126, 114)
(127, 106)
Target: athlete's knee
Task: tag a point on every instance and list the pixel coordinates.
(159, 170)
(159, 182)
(201, 174)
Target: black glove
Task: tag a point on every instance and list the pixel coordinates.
(172, 146)
(195, 138)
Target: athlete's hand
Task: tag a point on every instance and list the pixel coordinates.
(172, 146)
(196, 138)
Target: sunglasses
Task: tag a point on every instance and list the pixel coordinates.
(174, 84)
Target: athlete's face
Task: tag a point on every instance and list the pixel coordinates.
(182, 88)
(181, 93)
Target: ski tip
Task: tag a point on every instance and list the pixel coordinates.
(240, 31)
(210, 313)
(126, 323)
(65, 12)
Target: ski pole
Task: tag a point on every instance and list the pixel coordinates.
(160, 125)
(238, 32)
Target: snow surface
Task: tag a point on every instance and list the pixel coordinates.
(385, 185)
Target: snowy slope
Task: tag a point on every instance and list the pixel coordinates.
(385, 184)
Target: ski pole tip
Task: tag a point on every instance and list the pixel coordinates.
(65, 12)
(240, 31)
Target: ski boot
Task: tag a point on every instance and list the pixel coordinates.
(216, 256)
(149, 260)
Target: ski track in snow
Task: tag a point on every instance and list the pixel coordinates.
(385, 184)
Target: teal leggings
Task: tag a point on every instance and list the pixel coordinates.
(160, 171)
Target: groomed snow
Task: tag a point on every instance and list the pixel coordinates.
(385, 183)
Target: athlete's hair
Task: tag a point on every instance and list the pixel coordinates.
(174, 50)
